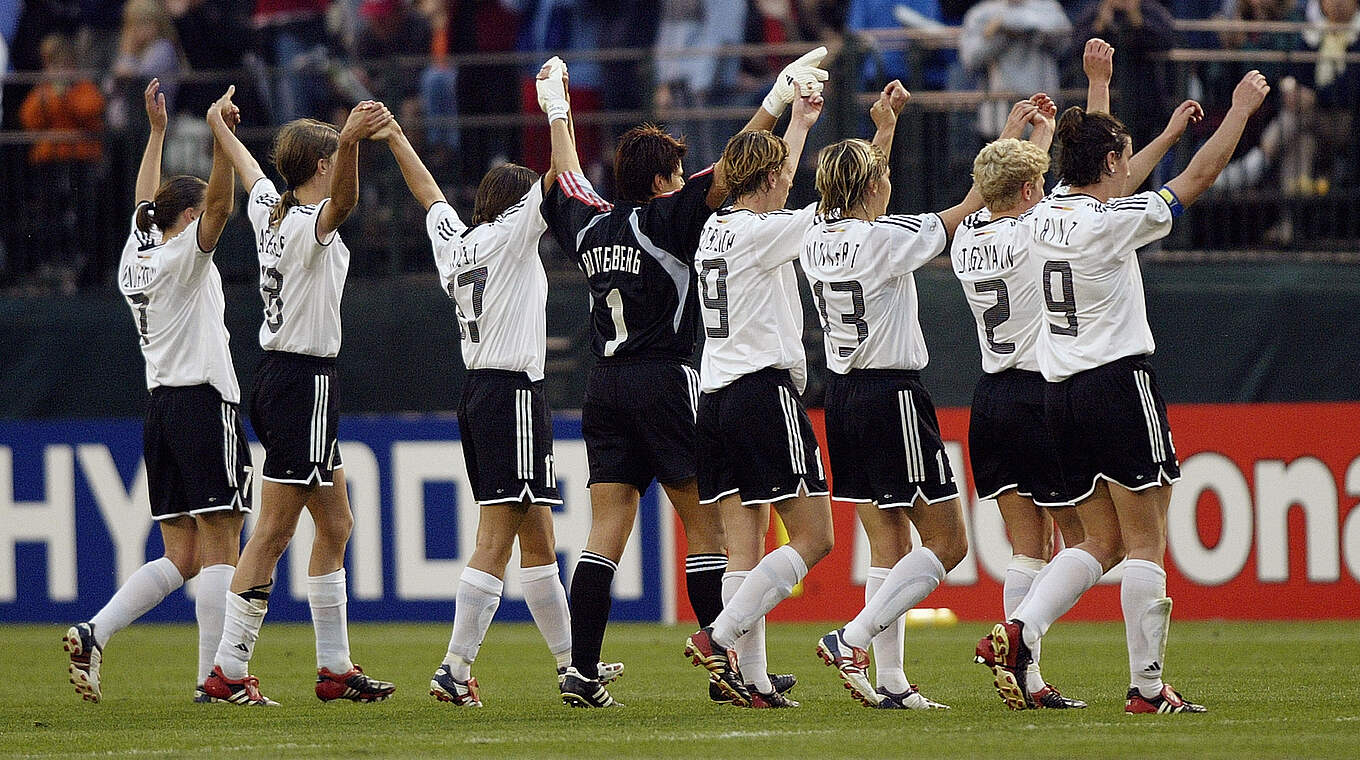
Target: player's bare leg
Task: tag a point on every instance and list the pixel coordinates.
(613, 509)
(889, 534)
(1142, 594)
(705, 563)
(745, 547)
(943, 545)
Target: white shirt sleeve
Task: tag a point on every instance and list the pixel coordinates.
(263, 197)
(1133, 222)
(912, 240)
(784, 230)
(445, 229)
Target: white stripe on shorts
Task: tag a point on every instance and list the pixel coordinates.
(797, 454)
(320, 400)
(1154, 422)
(524, 465)
(911, 437)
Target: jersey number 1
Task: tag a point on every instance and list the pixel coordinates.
(855, 317)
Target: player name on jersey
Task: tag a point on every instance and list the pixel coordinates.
(611, 258)
(829, 254)
(986, 257)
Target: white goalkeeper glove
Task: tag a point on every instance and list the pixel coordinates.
(798, 79)
(552, 91)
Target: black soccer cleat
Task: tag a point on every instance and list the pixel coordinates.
(1050, 698)
(721, 661)
(352, 685)
(579, 691)
(911, 699)
(1166, 702)
(783, 683)
(445, 688)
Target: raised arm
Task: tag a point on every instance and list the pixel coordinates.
(225, 139)
(554, 97)
(1144, 161)
(806, 110)
(884, 113)
(363, 122)
(1210, 159)
(1043, 120)
(221, 193)
(149, 174)
(801, 78)
(1021, 114)
(1098, 62)
(418, 178)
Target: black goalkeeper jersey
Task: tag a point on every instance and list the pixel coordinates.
(639, 262)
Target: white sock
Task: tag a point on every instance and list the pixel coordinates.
(887, 645)
(770, 582)
(910, 580)
(479, 594)
(1020, 575)
(327, 596)
(240, 631)
(547, 602)
(144, 589)
(1147, 615)
(210, 609)
(750, 646)
(1055, 590)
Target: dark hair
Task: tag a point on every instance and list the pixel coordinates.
(1083, 140)
(500, 189)
(644, 152)
(175, 195)
(298, 145)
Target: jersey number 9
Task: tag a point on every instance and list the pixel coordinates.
(1067, 306)
(718, 301)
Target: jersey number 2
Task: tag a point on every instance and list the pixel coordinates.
(997, 314)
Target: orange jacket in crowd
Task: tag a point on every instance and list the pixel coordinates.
(75, 106)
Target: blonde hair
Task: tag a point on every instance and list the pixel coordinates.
(298, 145)
(844, 171)
(1003, 167)
(749, 158)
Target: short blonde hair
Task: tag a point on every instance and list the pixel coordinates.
(749, 158)
(1003, 167)
(844, 171)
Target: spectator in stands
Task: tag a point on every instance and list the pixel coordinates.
(147, 49)
(627, 24)
(1335, 32)
(293, 39)
(1138, 30)
(64, 170)
(1259, 10)
(388, 30)
(893, 62)
(557, 26)
(1016, 44)
(688, 80)
(210, 34)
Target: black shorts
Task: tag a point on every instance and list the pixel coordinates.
(638, 422)
(1009, 445)
(197, 459)
(755, 439)
(885, 441)
(1110, 422)
(506, 429)
(295, 409)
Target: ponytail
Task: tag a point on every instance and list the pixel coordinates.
(298, 145)
(174, 196)
(280, 209)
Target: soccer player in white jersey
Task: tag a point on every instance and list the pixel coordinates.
(756, 444)
(1102, 403)
(303, 263)
(1013, 456)
(197, 463)
(492, 272)
(886, 453)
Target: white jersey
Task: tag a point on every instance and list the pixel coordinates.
(748, 295)
(302, 278)
(1000, 279)
(1093, 291)
(175, 293)
(496, 280)
(861, 275)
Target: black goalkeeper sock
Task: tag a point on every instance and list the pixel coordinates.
(590, 604)
(703, 580)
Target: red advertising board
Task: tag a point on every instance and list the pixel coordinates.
(1262, 525)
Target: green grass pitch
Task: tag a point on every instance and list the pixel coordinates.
(1273, 690)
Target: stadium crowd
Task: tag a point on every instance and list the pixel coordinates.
(293, 58)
